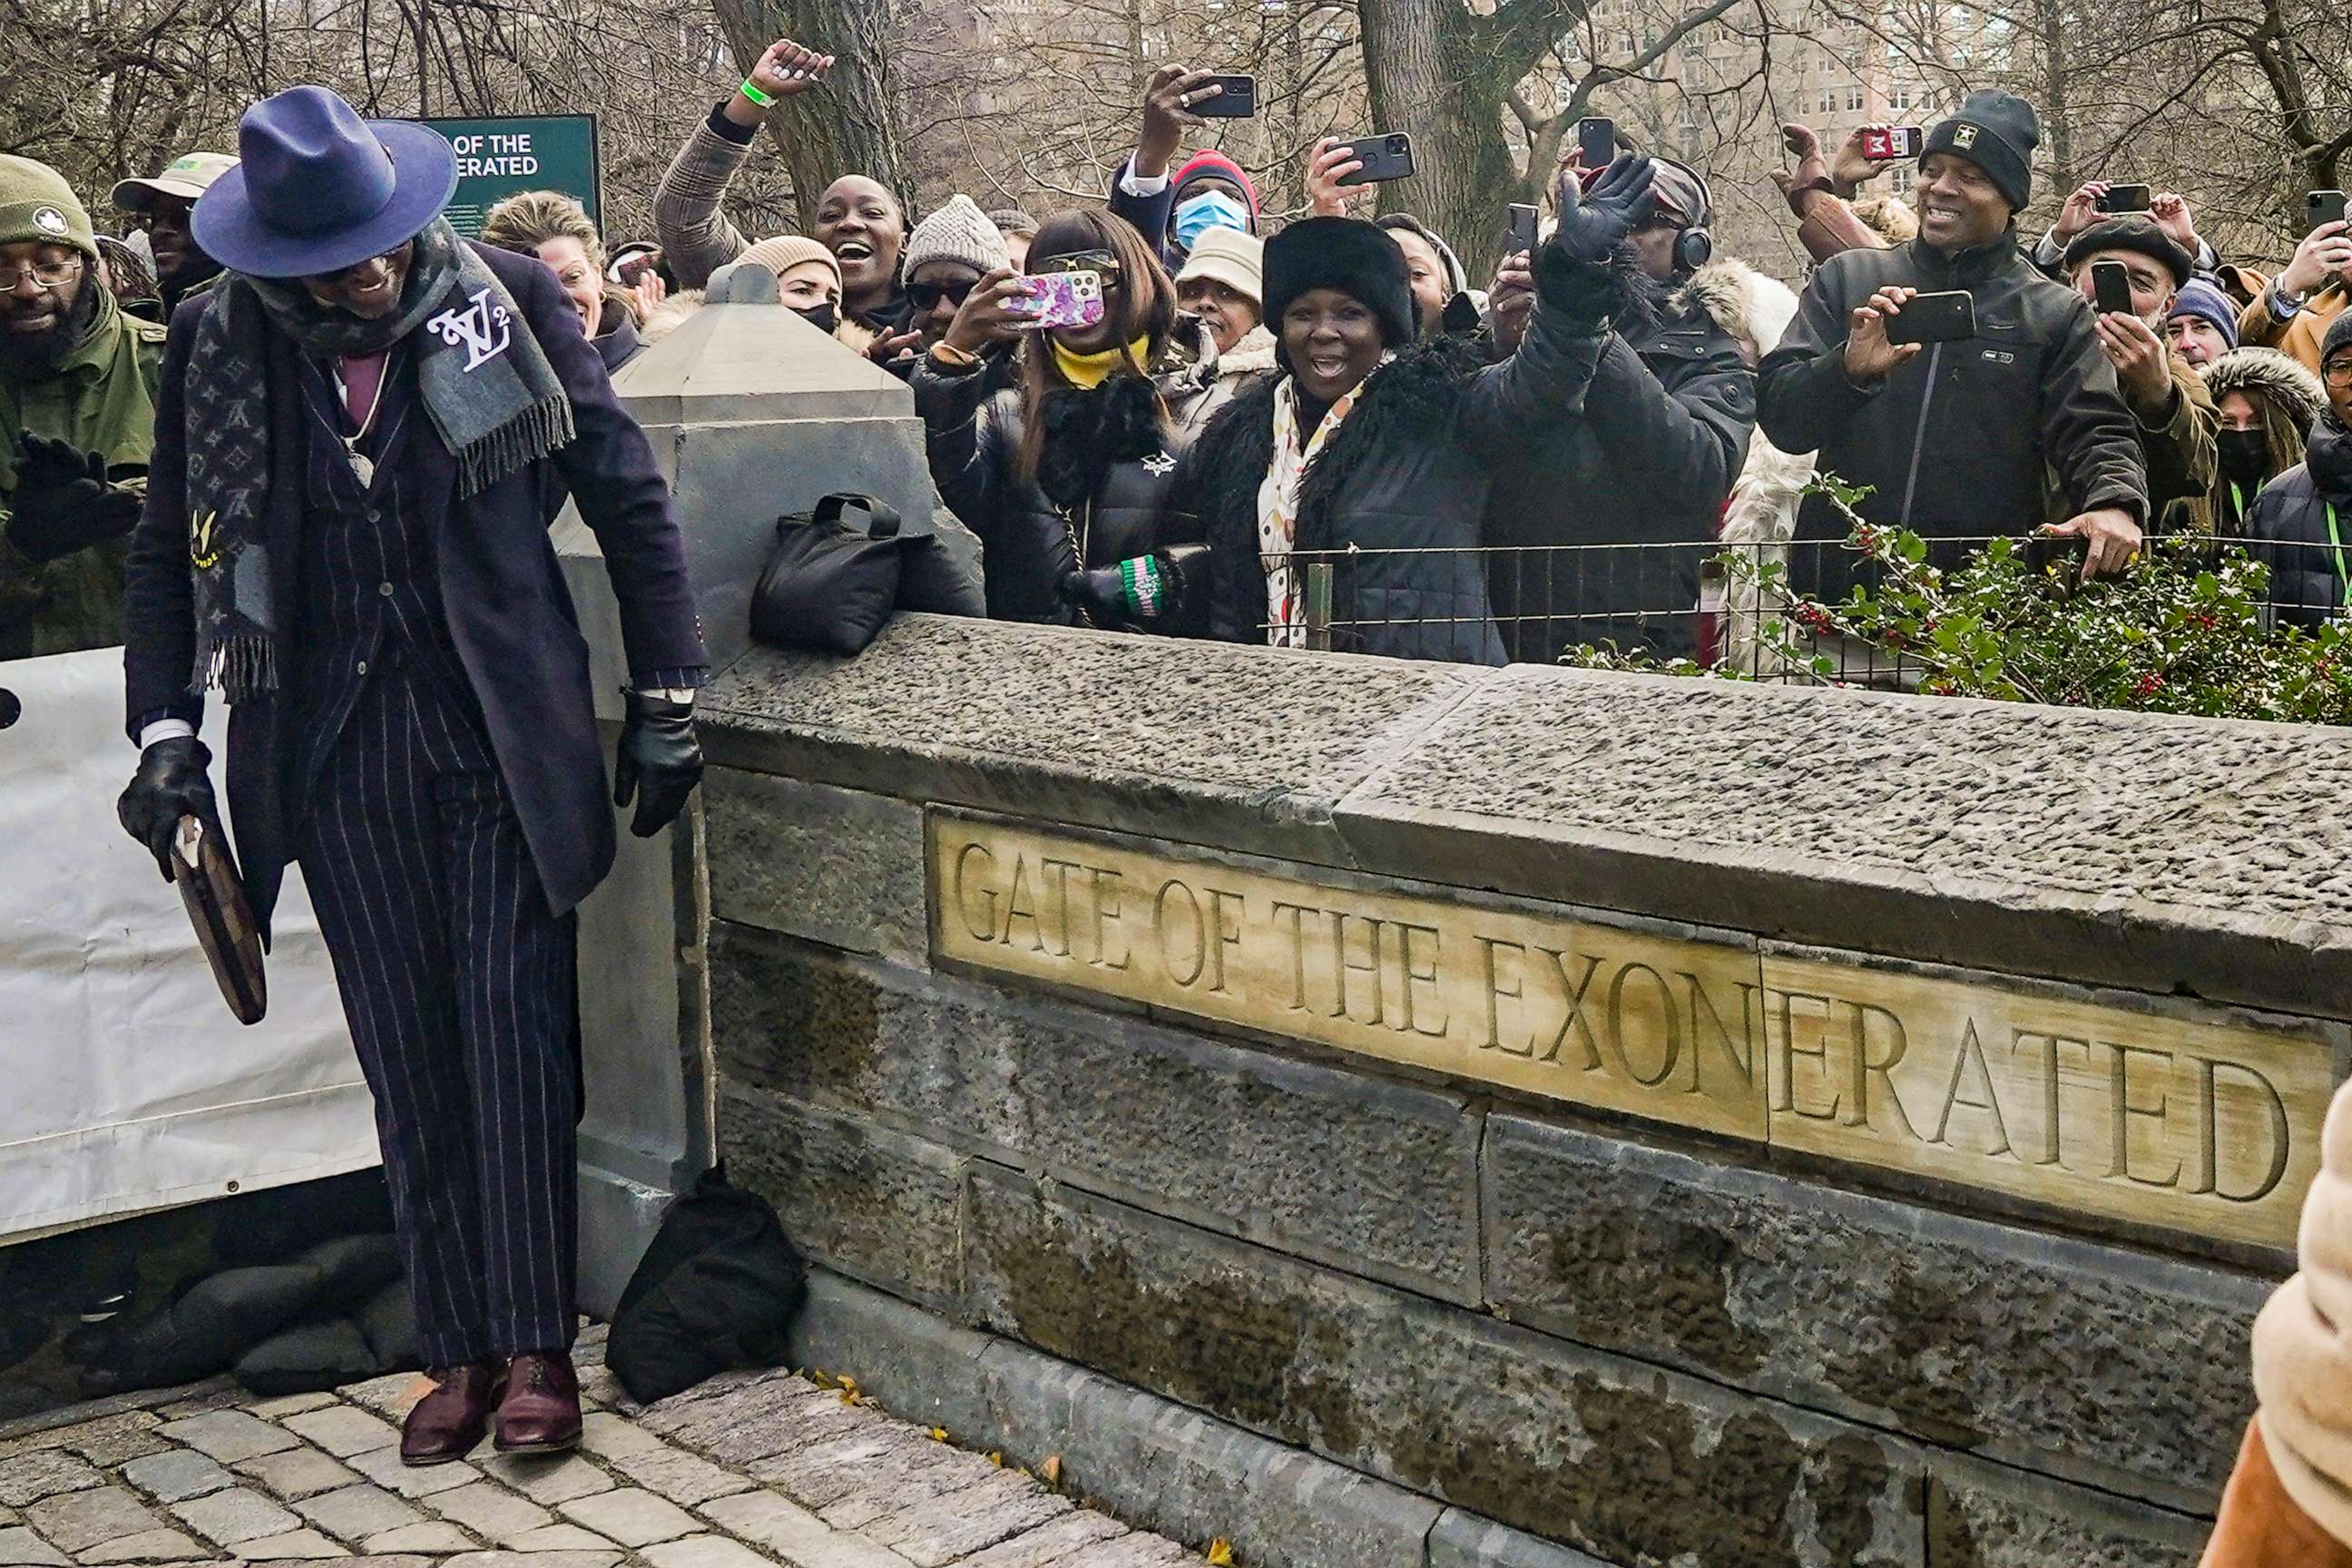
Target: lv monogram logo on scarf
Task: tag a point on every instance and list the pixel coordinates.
(484, 328)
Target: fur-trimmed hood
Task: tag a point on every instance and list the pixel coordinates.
(1253, 355)
(2286, 383)
(1753, 308)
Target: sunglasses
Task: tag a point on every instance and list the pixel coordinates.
(926, 296)
(1101, 261)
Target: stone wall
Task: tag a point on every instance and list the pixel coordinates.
(1645, 1330)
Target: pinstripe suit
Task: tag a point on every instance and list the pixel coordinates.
(457, 977)
(432, 759)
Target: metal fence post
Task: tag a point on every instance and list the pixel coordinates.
(1319, 605)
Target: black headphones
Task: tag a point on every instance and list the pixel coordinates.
(1694, 246)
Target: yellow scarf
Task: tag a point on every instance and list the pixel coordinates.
(1090, 371)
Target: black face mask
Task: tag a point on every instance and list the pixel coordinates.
(2245, 455)
(825, 318)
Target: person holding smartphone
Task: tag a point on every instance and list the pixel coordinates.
(2174, 414)
(2293, 314)
(1064, 469)
(1955, 438)
(1171, 210)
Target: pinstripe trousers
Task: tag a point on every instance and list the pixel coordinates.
(459, 985)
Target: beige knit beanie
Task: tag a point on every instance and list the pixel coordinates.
(959, 231)
(783, 252)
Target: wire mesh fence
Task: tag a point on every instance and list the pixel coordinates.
(1736, 608)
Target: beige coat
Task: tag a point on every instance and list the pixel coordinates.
(2302, 1344)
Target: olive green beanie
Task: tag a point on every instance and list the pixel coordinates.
(37, 205)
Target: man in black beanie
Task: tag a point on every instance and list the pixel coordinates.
(2020, 425)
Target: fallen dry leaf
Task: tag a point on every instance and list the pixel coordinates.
(938, 1433)
(1052, 1469)
(996, 1457)
(1221, 1552)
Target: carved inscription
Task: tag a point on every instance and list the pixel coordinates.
(2205, 1126)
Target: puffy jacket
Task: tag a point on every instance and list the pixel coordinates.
(1665, 431)
(1100, 493)
(1408, 471)
(2310, 576)
(1955, 443)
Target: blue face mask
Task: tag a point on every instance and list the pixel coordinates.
(1209, 209)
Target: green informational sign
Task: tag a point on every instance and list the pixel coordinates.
(501, 155)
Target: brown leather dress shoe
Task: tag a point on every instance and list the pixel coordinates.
(540, 1411)
(446, 1423)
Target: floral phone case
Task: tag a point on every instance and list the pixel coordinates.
(1065, 299)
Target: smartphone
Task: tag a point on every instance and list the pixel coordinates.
(1598, 140)
(2323, 208)
(1237, 101)
(1892, 142)
(2110, 289)
(1062, 299)
(2125, 199)
(1385, 156)
(1520, 234)
(1946, 317)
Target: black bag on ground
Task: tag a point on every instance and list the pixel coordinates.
(831, 584)
(719, 1287)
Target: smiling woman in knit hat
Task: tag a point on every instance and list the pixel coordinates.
(361, 429)
(1376, 445)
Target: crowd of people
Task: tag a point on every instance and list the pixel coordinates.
(1481, 468)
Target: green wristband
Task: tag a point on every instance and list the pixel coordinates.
(751, 90)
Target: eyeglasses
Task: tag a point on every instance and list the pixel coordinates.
(2338, 374)
(44, 274)
(1101, 261)
(926, 296)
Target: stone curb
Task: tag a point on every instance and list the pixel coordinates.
(1154, 1463)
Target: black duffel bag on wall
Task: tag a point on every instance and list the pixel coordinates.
(834, 580)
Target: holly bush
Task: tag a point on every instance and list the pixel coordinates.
(2182, 631)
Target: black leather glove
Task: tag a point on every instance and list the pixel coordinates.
(1591, 226)
(63, 503)
(660, 761)
(171, 783)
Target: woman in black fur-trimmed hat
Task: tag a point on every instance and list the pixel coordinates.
(1372, 448)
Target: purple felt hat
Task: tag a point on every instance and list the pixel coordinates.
(318, 189)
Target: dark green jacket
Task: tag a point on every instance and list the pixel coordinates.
(102, 399)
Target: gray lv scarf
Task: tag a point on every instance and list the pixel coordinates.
(484, 380)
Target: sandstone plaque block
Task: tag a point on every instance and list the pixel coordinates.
(2208, 1126)
(2174, 1115)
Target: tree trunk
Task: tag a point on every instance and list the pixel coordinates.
(1428, 76)
(850, 125)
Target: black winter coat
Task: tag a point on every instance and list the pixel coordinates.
(1667, 421)
(1103, 473)
(1955, 443)
(2288, 529)
(1408, 471)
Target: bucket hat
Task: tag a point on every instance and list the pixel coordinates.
(318, 189)
(187, 176)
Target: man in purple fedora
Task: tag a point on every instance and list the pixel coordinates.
(360, 432)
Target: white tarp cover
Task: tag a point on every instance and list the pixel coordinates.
(125, 1085)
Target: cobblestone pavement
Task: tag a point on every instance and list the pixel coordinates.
(748, 1471)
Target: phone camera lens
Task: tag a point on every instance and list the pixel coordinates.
(1397, 144)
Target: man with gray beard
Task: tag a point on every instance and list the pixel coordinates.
(78, 382)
